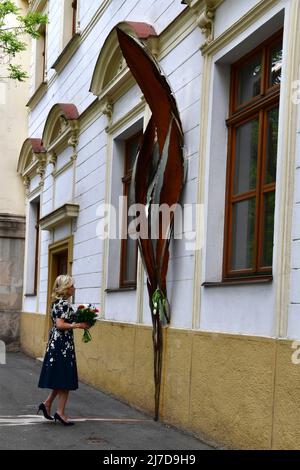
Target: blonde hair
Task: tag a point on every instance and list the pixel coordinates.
(61, 285)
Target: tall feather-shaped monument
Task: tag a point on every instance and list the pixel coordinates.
(157, 180)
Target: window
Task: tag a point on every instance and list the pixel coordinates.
(37, 242)
(33, 247)
(59, 262)
(40, 57)
(74, 16)
(69, 21)
(129, 246)
(251, 167)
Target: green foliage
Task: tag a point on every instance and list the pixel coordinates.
(16, 73)
(11, 42)
(30, 23)
(160, 306)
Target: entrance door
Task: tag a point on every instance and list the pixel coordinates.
(62, 263)
(59, 262)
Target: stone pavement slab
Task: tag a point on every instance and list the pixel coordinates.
(102, 422)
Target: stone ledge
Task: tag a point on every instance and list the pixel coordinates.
(67, 53)
(62, 214)
(12, 226)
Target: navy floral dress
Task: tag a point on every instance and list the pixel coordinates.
(59, 370)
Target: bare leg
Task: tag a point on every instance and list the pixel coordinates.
(62, 400)
(48, 402)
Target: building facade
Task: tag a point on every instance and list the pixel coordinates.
(230, 358)
(13, 131)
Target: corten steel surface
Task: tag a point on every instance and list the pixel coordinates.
(158, 178)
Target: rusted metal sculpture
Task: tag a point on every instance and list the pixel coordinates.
(157, 179)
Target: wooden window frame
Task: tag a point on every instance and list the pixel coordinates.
(126, 185)
(258, 106)
(74, 18)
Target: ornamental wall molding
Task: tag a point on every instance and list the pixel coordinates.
(61, 131)
(204, 11)
(26, 182)
(107, 108)
(32, 161)
(52, 158)
(111, 77)
(67, 212)
(41, 167)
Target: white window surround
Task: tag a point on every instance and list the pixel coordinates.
(40, 63)
(116, 191)
(67, 22)
(31, 246)
(216, 149)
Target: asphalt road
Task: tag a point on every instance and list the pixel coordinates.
(102, 423)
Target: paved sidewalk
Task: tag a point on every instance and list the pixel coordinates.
(102, 423)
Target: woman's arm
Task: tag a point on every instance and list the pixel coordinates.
(62, 325)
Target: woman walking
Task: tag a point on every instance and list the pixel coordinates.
(59, 370)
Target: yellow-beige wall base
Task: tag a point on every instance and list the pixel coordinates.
(235, 391)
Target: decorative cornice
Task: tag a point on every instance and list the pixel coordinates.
(159, 46)
(206, 24)
(205, 14)
(67, 212)
(26, 182)
(32, 161)
(63, 120)
(35, 192)
(106, 108)
(12, 226)
(238, 27)
(111, 70)
(37, 95)
(52, 157)
(74, 137)
(42, 162)
(118, 86)
(67, 53)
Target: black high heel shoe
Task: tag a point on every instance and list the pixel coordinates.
(59, 418)
(43, 408)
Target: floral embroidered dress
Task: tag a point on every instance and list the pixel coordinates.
(59, 370)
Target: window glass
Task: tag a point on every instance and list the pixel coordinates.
(243, 234)
(132, 149)
(275, 64)
(129, 245)
(249, 80)
(246, 157)
(272, 140)
(269, 208)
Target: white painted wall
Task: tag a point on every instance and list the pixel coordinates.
(294, 307)
(239, 309)
(233, 309)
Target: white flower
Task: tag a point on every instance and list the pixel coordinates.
(154, 311)
(155, 304)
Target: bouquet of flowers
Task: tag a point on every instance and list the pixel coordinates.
(87, 314)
